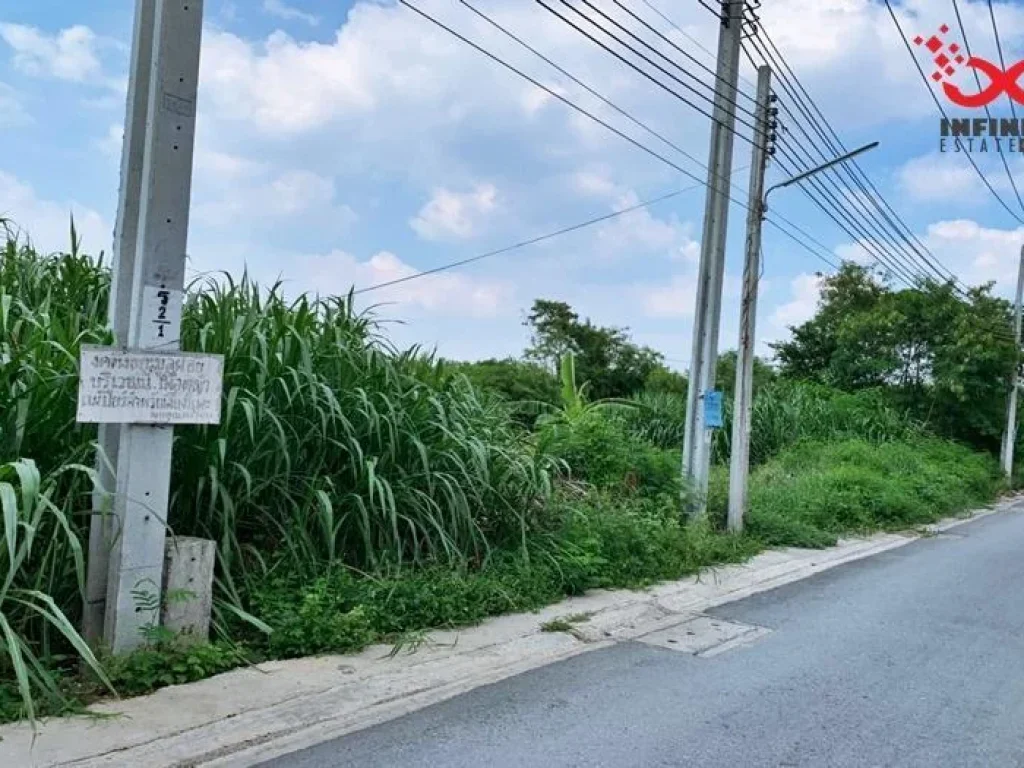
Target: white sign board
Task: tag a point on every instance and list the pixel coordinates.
(120, 387)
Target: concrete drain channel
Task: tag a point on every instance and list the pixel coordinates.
(704, 636)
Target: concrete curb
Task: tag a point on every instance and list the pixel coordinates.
(250, 715)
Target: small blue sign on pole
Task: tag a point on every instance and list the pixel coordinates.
(713, 410)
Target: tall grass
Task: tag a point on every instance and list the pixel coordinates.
(333, 448)
(784, 412)
(813, 492)
(40, 557)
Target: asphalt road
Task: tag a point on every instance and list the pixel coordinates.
(911, 658)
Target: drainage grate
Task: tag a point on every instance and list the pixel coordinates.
(704, 636)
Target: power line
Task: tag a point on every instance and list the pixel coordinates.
(605, 124)
(795, 89)
(819, 185)
(942, 111)
(775, 224)
(531, 241)
(891, 217)
(690, 37)
(672, 62)
(628, 115)
(874, 246)
(634, 66)
(835, 211)
(999, 50)
(1002, 63)
(681, 50)
(593, 92)
(871, 242)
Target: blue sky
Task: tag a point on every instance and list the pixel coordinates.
(345, 143)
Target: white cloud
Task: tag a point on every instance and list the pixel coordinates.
(444, 293)
(805, 290)
(110, 144)
(281, 196)
(676, 299)
(48, 223)
(594, 183)
(284, 86)
(71, 54)
(642, 231)
(938, 177)
(854, 42)
(861, 252)
(12, 111)
(976, 253)
(221, 167)
(453, 215)
(289, 12)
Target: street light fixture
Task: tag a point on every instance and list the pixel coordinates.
(814, 171)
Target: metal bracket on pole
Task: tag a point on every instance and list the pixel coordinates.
(136, 558)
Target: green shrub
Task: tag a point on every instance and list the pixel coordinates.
(165, 664)
(598, 450)
(784, 413)
(333, 447)
(658, 418)
(811, 494)
(599, 540)
(517, 381)
(608, 542)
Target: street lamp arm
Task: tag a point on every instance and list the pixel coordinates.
(819, 169)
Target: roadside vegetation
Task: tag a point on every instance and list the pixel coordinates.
(360, 493)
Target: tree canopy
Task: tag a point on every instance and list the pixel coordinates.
(607, 360)
(944, 353)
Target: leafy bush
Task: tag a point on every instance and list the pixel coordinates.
(608, 542)
(598, 450)
(784, 412)
(516, 381)
(658, 418)
(40, 557)
(165, 664)
(663, 380)
(812, 493)
(337, 452)
(600, 541)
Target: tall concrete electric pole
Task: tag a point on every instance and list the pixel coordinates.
(739, 457)
(739, 462)
(127, 545)
(708, 311)
(126, 233)
(1010, 433)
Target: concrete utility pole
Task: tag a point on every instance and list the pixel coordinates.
(126, 233)
(147, 299)
(739, 461)
(1010, 433)
(707, 316)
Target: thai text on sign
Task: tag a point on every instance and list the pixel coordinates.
(121, 387)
